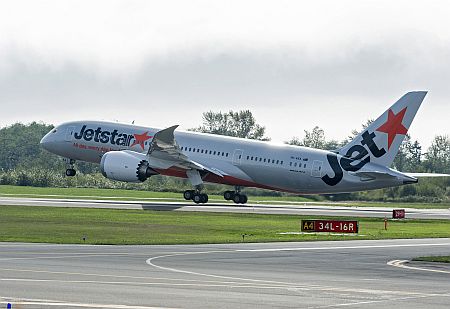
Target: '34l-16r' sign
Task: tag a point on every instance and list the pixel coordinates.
(329, 226)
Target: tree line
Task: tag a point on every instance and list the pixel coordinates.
(24, 162)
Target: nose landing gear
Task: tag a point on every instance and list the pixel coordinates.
(70, 171)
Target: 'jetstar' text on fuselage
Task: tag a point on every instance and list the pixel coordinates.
(104, 136)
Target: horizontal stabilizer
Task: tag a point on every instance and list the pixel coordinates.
(367, 176)
(423, 175)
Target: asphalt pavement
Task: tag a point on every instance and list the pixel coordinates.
(315, 209)
(350, 274)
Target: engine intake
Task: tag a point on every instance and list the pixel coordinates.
(126, 165)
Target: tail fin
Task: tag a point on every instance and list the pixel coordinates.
(383, 137)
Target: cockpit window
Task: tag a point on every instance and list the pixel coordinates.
(54, 130)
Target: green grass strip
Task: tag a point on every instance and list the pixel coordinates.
(111, 226)
(439, 259)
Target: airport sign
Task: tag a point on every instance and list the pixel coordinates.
(329, 226)
(398, 214)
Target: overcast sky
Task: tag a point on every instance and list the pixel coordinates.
(294, 64)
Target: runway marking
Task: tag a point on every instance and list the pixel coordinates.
(366, 302)
(345, 247)
(217, 283)
(57, 303)
(121, 276)
(151, 260)
(401, 264)
(61, 257)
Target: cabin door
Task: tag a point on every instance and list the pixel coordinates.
(316, 170)
(237, 156)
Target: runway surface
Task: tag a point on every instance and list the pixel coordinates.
(350, 274)
(305, 209)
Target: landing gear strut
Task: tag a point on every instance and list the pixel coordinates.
(70, 172)
(235, 196)
(196, 196)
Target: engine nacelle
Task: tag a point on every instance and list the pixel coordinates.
(126, 166)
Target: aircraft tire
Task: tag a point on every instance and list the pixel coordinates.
(188, 195)
(197, 198)
(243, 199)
(70, 172)
(228, 195)
(204, 198)
(237, 198)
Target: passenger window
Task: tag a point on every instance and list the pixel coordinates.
(264, 160)
(248, 157)
(295, 164)
(260, 159)
(223, 154)
(190, 148)
(281, 163)
(198, 150)
(251, 158)
(290, 163)
(278, 161)
(273, 161)
(214, 153)
(304, 166)
(239, 155)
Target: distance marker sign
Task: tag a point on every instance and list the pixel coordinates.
(329, 226)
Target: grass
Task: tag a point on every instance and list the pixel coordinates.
(438, 259)
(93, 193)
(110, 226)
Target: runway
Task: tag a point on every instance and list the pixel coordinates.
(294, 209)
(350, 274)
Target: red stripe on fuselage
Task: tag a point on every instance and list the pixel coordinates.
(225, 180)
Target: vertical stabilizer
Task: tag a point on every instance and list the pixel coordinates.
(383, 137)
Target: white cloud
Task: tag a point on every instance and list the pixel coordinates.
(283, 59)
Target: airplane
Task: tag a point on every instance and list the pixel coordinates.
(132, 153)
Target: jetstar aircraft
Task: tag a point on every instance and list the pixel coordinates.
(133, 154)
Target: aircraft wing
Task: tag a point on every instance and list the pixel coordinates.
(165, 152)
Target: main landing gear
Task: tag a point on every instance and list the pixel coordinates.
(201, 198)
(196, 196)
(235, 196)
(70, 171)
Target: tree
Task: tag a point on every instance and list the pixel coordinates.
(438, 155)
(409, 156)
(355, 132)
(314, 139)
(238, 124)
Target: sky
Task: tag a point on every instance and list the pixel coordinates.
(294, 64)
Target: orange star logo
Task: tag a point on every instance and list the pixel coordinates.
(139, 139)
(394, 126)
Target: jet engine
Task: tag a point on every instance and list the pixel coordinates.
(126, 166)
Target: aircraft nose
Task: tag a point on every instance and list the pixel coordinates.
(47, 141)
